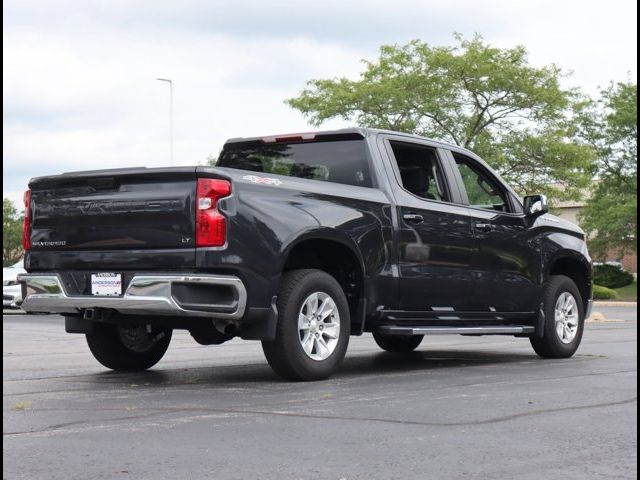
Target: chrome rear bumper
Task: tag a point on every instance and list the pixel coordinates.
(145, 295)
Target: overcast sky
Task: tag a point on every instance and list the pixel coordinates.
(79, 88)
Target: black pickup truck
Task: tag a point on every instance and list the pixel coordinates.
(300, 241)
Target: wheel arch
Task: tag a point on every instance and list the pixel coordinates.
(337, 255)
(577, 268)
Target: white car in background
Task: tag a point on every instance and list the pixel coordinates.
(11, 289)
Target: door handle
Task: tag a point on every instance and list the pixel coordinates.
(413, 218)
(483, 227)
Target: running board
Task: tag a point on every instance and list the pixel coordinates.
(511, 330)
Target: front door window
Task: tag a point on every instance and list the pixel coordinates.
(482, 190)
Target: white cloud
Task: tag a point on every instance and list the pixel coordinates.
(79, 77)
(96, 104)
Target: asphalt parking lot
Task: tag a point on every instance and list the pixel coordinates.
(459, 407)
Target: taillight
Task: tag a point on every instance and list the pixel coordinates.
(26, 226)
(211, 225)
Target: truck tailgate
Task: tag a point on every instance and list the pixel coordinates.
(111, 210)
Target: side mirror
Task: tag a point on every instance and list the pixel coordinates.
(535, 205)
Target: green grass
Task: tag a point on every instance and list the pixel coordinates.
(630, 292)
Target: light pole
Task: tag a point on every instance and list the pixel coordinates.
(170, 114)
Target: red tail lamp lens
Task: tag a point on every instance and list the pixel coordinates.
(26, 226)
(211, 225)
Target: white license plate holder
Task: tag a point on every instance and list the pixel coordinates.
(106, 284)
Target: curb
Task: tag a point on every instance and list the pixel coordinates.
(610, 303)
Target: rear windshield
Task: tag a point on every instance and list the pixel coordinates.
(342, 161)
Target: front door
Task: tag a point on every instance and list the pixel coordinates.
(505, 262)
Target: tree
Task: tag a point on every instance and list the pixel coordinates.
(11, 233)
(480, 97)
(610, 216)
(212, 160)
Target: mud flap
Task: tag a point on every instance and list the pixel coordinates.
(78, 325)
(540, 320)
(260, 323)
(357, 324)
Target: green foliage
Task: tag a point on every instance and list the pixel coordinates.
(212, 160)
(11, 233)
(628, 293)
(547, 163)
(611, 276)
(610, 216)
(603, 293)
(484, 98)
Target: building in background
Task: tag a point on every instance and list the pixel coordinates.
(569, 210)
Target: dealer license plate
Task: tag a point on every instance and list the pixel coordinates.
(106, 284)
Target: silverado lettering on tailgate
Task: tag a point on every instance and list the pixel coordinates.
(53, 208)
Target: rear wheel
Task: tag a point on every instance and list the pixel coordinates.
(128, 348)
(313, 326)
(564, 319)
(397, 343)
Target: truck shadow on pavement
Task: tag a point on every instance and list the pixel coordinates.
(354, 366)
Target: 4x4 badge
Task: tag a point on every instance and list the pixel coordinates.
(262, 180)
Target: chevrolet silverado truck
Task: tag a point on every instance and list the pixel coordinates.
(300, 241)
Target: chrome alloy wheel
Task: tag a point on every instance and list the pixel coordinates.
(567, 317)
(319, 326)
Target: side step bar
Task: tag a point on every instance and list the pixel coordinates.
(510, 330)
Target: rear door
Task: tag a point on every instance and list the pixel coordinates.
(435, 238)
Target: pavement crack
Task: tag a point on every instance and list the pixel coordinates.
(431, 424)
(169, 410)
(62, 426)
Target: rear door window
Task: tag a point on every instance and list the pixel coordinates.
(420, 172)
(337, 161)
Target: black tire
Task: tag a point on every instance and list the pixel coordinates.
(397, 343)
(550, 345)
(128, 349)
(286, 354)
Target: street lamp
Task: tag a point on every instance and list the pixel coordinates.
(170, 114)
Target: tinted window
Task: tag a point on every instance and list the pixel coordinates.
(483, 190)
(419, 170)
(330, 161)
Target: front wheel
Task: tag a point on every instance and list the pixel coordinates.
(564, 319)
(313, 326)
(128, 348)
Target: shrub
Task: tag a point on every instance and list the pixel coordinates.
(611, 276)
(603, 293)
